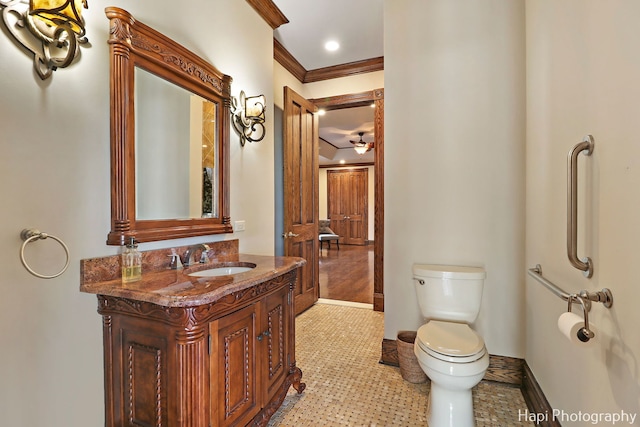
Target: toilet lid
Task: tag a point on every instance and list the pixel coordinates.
(450, 341)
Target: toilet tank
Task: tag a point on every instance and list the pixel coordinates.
(449, 292)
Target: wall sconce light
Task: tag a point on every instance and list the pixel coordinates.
(248, 117)
(51, 29)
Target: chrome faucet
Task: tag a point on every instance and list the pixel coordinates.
(188, 255)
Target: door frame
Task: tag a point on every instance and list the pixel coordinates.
(359, 100)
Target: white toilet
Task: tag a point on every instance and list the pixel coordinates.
(452, 354)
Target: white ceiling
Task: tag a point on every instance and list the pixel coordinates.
(338, 128)
(357, 27)
(355, 24)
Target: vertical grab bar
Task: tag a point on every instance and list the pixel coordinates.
(585, 265)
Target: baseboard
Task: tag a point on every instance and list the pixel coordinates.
(345, 303)
(537, 403)
(378, 301)
(502, 369)
(389, 352)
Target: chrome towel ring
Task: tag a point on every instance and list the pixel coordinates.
(31, 234)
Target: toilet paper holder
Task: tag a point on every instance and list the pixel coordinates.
(584, 298)
(584, 334)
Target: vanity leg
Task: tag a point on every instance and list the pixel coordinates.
(296, 381)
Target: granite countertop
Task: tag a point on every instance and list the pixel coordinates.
(175, 288)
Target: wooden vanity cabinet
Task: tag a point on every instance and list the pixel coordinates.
(225, 363)
(248, 362)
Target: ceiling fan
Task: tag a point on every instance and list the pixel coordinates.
(361, 147)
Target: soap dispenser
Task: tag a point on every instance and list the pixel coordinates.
(131, 262)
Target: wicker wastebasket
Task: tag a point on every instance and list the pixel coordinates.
(409, 367)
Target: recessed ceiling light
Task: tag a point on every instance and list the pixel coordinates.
(322, 112)
(342, 162)
(332, 45)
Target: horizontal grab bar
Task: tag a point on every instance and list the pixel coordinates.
(604, 296)
(536, 273)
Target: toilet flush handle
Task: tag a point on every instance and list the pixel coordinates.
(420, 281)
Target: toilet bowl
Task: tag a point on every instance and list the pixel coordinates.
(455, 358)
(450, 353)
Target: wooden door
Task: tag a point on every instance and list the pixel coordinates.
(234, 378)
(300, 147)
(336, 207)
(347, 194)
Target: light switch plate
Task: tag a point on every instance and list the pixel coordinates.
(238, 226)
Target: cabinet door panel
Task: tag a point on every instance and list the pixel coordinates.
(144, 379)
(238, 386)
(275, 340)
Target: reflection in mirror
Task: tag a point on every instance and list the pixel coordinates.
(176, 165)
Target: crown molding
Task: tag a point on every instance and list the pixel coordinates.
(345, 70)
(350, 100)
(346, 166)
(269, 12)
(291, 64)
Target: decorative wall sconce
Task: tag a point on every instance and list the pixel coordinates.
(248, 117)
(51, 29)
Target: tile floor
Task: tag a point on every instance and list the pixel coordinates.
(338, 349)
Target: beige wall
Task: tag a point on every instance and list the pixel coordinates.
(55, 176)
(454, 156)
(454, 99)
(583, 64)
(282, 78)
(353, 84)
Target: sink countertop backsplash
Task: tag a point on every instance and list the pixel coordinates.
(175, 288)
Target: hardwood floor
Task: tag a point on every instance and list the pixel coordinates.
(347, 274)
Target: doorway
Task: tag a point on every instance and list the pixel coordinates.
(357, 100)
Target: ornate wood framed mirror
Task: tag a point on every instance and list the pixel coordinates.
(169, 137)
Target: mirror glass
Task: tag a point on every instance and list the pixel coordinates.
(176, 163)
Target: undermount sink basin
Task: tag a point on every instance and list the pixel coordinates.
(223, 271)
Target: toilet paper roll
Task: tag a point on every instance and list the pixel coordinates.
(570, 323)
